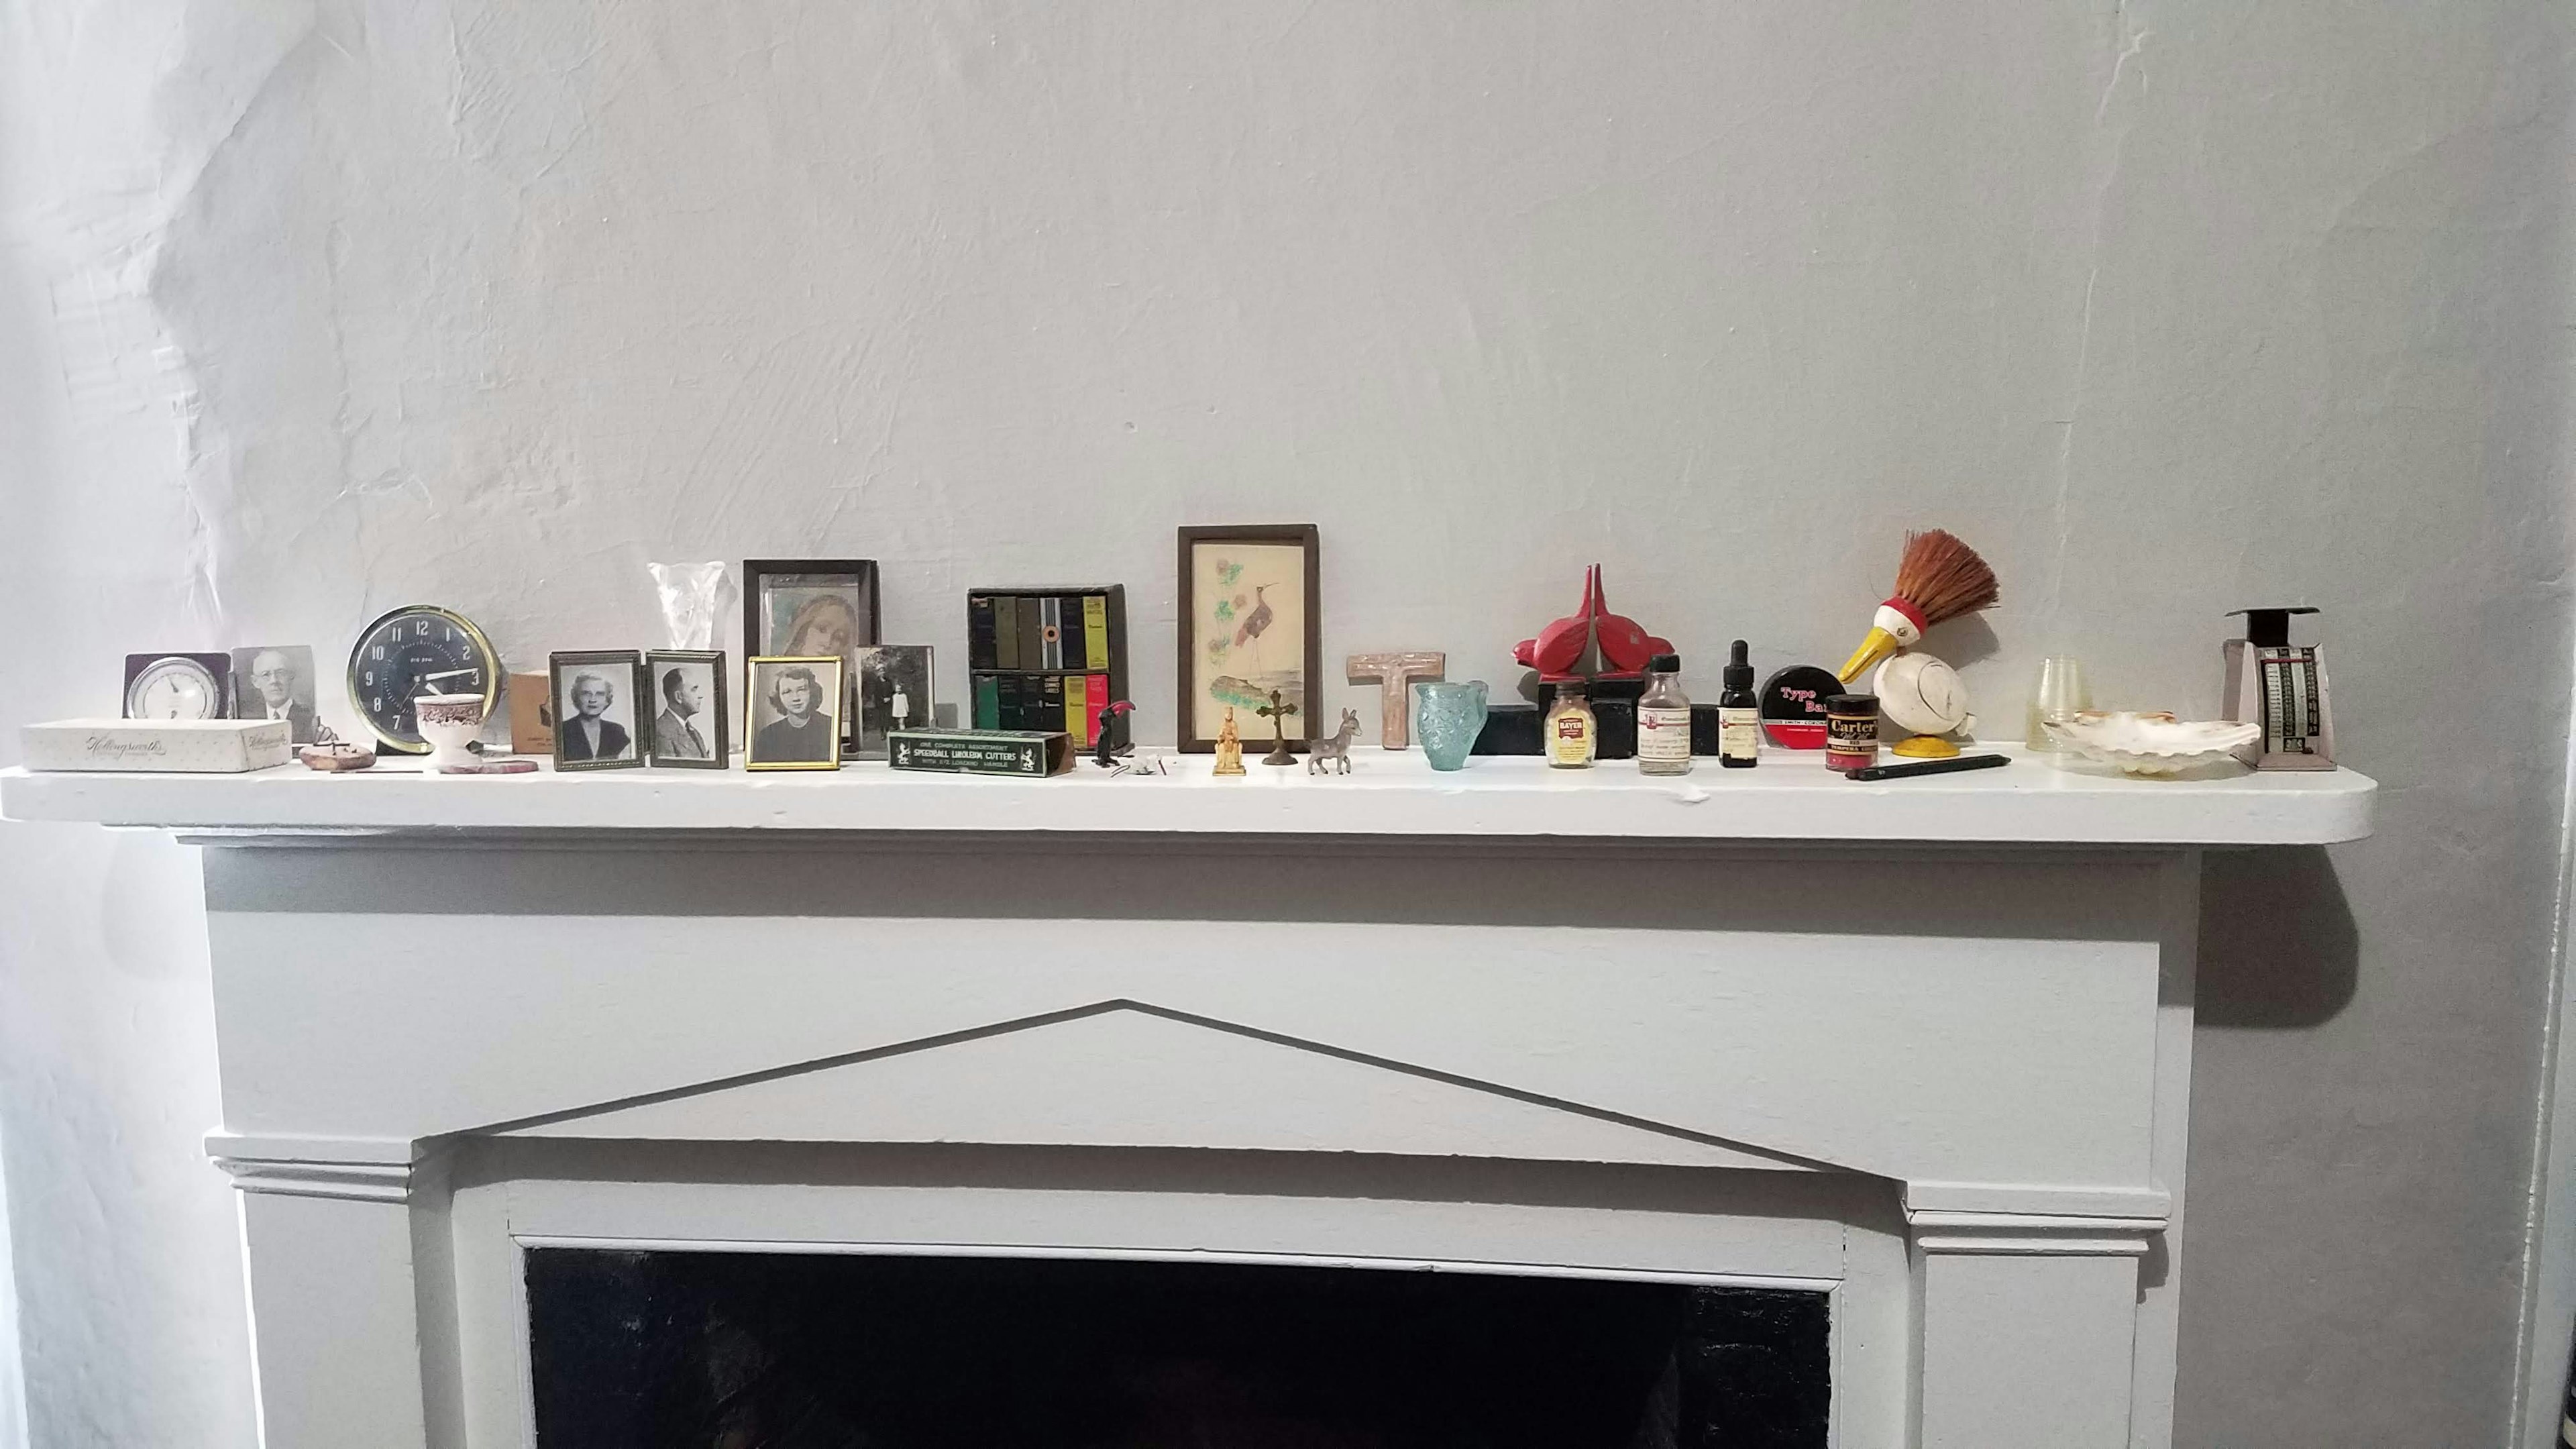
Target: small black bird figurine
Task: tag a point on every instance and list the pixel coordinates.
(1105, 753)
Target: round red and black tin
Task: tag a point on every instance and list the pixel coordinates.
(1794, 703)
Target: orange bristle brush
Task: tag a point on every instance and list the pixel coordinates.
(1939, 578)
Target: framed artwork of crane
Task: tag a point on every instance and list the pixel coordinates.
(1249, 624)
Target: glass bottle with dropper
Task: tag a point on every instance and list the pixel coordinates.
(1664, 720)
(1739, 714)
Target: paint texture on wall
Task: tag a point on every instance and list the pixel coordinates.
(2169, 307)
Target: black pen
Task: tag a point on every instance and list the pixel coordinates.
(1911, 768)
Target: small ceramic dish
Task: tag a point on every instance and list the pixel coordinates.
(2153, 744)
(334, 754)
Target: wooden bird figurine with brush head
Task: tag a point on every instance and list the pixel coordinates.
(1939, 578)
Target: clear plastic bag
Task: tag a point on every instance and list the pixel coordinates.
(694, 596)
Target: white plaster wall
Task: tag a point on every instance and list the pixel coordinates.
(318, 308)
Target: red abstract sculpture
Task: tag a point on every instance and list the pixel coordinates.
(1594, 644)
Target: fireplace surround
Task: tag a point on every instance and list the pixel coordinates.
(1921, 1049)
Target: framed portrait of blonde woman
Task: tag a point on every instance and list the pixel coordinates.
(807, 608)
(793, 712)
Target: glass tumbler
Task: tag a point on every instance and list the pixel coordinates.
(1448, 717)
(2058, 694)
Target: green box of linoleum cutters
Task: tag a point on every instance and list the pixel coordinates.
(1028, 754)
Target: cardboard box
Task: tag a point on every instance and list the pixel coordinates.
(1027, 754)
(162, 746)
(532, 715)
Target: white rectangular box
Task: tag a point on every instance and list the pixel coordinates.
(167, 746)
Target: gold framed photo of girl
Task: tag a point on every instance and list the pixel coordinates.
(794, 710)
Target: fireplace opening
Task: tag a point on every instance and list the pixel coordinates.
(734, 1350)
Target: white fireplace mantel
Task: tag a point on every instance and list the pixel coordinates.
(1924, 1045)
(2034, 801)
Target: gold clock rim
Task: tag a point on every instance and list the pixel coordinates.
(483, 642)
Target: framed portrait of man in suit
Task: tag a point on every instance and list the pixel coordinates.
(688, 707)
(599, 698)
(275, 681)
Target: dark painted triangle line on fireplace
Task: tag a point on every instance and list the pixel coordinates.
(1041, 1020)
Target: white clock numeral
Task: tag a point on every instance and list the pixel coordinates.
(420, 629)
(376, 703)
(371, 676)
(380, 653)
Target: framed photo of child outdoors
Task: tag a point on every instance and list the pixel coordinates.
(794, 707)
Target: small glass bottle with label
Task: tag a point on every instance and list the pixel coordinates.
(1573, 735)
(1739, 714)
(1664, 720)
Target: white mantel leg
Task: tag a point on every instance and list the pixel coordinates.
(328, 1247)
(2029, 1328)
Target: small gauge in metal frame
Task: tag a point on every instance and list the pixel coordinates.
(178, 686)
(415, 650)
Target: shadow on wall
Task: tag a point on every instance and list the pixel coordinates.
(2278, 947)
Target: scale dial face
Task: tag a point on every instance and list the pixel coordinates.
(414, 651)
(175, 687)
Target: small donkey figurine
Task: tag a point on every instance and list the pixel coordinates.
(1335, 747)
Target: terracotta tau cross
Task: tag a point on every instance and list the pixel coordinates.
(1394, 675)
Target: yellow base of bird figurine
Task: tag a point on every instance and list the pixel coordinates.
(1924, 747)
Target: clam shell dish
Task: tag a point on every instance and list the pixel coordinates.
(2152, 744)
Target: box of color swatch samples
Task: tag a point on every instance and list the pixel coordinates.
(1047, 659)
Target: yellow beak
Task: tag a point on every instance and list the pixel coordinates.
(1876, 647)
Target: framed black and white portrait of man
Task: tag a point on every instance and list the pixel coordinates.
(275, 681)
(688, 705)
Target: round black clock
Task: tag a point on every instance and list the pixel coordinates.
(413, 651)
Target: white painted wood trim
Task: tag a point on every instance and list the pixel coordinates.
(355, 1169)
(2032, 1234)
(2039, 799)
(2026, 1350)
(283, 1148)
(336, 1317)
(2041, 1199)
(353, 1181)
(1790, 1283)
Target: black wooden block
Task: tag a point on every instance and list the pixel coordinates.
(1510, 729)
(1617, 719)
(1703, 729)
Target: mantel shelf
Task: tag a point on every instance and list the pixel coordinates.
(2035, 801)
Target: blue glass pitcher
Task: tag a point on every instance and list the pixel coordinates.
(1447, 716)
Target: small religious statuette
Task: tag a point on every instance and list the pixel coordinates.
(1229, 746)
(1335, 749)
(1394, 675)
(1277, 712)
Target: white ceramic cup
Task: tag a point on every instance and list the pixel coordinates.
(449, 722)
